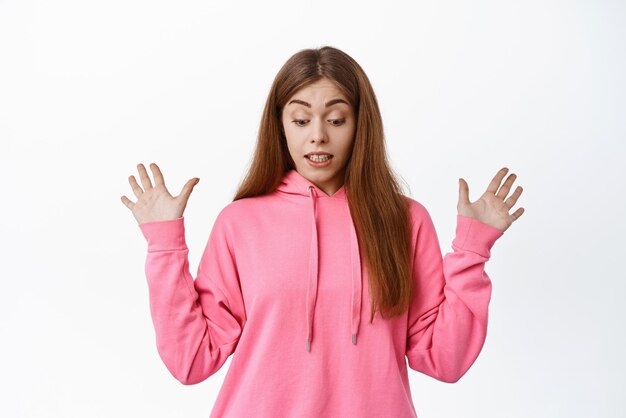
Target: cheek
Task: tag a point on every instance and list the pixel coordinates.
(295, 136)
(347, 141)
(294, 145)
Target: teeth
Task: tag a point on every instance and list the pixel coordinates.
(319, 158)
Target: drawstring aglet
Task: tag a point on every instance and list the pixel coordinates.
(354, 339)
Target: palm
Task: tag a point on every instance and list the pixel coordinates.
(492, 207)
(155, 203)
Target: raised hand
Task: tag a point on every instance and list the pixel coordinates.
(156, 203)
(492, 208)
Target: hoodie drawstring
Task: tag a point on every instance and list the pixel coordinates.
(356, 285)
(311, 292)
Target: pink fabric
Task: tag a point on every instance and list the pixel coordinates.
(280, 286)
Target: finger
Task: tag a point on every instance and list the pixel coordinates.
(143, 175)
(463, 191)
(158, 176)
(517, 214)
(136, 188)
(504, 190)
(495, 182)
(126, 201)
(510, 202)
(188, 187)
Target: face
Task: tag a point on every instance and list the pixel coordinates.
(318, 119)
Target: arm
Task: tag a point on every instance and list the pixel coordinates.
(197, 323)
(447, 322)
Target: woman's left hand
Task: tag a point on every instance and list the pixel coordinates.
(492, 208)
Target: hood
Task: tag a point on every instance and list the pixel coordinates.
(295, 184)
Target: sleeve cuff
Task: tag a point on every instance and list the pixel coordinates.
(165, 235)
(474, 235)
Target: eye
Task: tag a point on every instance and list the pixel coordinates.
(339, 122)
(334, 122)
(297, 122)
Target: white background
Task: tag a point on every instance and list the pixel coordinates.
(90, 89)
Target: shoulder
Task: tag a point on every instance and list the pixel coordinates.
(230, 221)
(417, 212)
(241, 211)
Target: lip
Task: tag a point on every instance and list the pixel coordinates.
(318, 153)
(316, 164)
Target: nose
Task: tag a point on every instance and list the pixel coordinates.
(319, 133)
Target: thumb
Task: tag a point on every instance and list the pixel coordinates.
(463, 191)
(188, 187)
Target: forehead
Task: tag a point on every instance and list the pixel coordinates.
(319, 86)
(320, 96)
(320, 91)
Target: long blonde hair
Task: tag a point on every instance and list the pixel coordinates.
(377, 206)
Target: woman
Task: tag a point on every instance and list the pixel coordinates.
(317, 227)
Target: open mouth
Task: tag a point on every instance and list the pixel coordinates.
(319, 158)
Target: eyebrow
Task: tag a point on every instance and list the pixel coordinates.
(328, 104)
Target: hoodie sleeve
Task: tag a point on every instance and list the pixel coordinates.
(197, 323)
(447, 319)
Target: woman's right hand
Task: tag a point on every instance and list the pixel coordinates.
(156, 203)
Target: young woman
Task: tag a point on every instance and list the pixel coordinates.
(319, 237)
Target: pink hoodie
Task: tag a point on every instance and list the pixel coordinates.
(280, 285)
